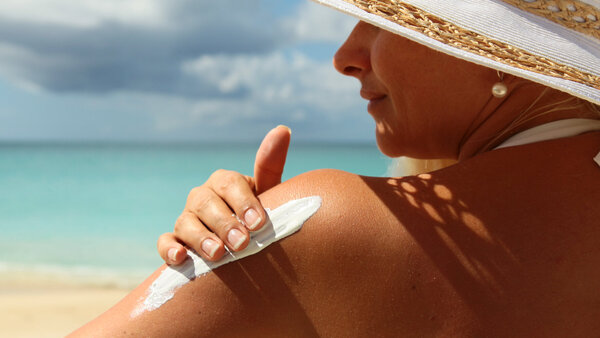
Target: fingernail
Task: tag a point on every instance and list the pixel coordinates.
(210, 247)
(286, 127)
(252, 219)
(236, 238)
(172, 253)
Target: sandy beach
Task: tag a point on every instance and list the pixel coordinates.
(44, 308)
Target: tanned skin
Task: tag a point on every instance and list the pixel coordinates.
(506, 243)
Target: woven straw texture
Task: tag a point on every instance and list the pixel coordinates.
(438, 29)
(572, 14)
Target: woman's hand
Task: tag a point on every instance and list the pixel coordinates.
(224, 209)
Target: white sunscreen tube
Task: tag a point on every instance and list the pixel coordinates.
(283, 221)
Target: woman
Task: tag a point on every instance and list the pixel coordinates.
(502, 243)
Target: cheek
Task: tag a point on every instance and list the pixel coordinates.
(416, 81)
(403, 131)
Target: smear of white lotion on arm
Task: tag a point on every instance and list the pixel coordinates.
(283, 221)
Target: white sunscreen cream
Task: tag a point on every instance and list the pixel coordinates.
(283, 221)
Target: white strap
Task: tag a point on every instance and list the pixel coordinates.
(553, 130)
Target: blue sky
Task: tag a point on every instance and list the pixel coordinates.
(173, 71)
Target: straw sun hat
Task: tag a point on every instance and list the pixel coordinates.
(552, 42)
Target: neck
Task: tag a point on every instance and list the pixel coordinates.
(500, 119)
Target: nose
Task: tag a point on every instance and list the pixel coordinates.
(353, 57)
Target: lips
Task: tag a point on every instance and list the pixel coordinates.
(374, 99)
(371, 95)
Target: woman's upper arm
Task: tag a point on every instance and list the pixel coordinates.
(341, 271)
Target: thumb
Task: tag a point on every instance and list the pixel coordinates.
(270, 158)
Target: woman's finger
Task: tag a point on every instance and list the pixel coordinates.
(270, 158)
(192, 232)
(213, 212)
(236, 191)
(170, 250)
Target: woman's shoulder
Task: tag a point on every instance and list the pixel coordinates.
(499, 185)
(503, 230)
(451, 253)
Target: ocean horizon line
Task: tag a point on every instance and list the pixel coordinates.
(148, 143)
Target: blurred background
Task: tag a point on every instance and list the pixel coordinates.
(111, 111)
(174, 71)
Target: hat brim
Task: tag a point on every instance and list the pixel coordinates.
(506, 25)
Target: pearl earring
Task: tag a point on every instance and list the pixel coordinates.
(499, 89)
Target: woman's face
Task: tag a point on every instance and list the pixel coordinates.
(424, 103)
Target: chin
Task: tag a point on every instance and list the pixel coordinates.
(388, 148)
(394, 148)
(390, 142)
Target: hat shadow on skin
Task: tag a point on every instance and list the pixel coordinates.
(494, 231)
(470, 257)
(457, 231)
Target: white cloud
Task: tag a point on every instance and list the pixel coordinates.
(84, 13)
(280, 89)
(11, 55)
(8, 55)
(91, 46)
(315, 23)
(275, 79)
(184, 82)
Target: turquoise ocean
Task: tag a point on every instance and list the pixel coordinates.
(91, 213)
